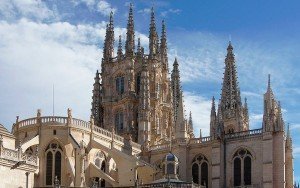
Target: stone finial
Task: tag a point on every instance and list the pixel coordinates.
(69, 113)
(17, 119)
(38, 114)
(69, 119)
(1, 142)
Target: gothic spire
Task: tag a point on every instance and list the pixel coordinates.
(163, 47)
(96, 101)
(108, 50)
(120, 51)
(213, 118)
(176, 88)
(129, 45)
(153, 39)
(231, 105)
(191, 128)
(288, 137)
(139, 50)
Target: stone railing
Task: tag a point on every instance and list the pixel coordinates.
(81, 123)
(244, 134)
(72, 122)
(15, 155)
(30, 159)
(200, 140)
(160, 147)
(102, 131)
(9, 154)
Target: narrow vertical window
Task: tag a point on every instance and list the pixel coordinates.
(204, 174)
(120, 85)
(49, 168)
(237, 172)
(195, 173)
(247, 170)
(58, 165)
(119, 124)
(138, 83)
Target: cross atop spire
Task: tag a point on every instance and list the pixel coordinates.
(129, 45)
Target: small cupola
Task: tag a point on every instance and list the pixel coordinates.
(170, 166)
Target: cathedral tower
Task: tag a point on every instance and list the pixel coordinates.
(232, 109)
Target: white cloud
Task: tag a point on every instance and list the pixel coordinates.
(145, 11)
(170, 11)
(34, 9)
(105, 8)
(35, 56)
(200, 108)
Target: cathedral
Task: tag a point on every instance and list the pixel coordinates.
(138, 134)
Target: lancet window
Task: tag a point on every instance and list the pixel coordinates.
(242, 167)
(53, 163)
(200, 170)
(120, 85)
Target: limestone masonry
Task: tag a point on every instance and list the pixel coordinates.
(138, 134)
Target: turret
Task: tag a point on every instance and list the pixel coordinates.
(120, 51)
(129, 45)
(164, 48)
(289, 171)
(272, 118)
(176, 88)
(96, 110)
(190, 127)
(144, 108)
(213, 118)
(153, 38)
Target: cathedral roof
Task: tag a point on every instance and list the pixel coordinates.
(4, 131)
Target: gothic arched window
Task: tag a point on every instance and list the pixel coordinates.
(195, 173)
(237, 172)
(242, 169)
(53, 163)
(119, 121)
(120, 85)
(200, 170)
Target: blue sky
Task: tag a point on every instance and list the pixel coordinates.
(60, 42)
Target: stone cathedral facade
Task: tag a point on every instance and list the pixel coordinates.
(138, 134)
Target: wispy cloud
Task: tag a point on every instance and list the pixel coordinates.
(144, 11)
(200, 108)
(105, 8)
(34, 9)
(170, 11)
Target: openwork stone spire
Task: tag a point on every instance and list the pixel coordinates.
(272, 118)
(231, 105)
(108, 51)
(176, 88)
(129, 45)
(163, 47)
(213, 118)
(96, 101)
(153, 38)
(120, 51)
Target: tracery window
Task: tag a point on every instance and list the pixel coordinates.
(53, 163)
(120, 85)
(119, 121)
(242, 162)
(200, 170)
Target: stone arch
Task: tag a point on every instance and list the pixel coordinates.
(242, 162)
(253, 154)
(54, 161)
(200, 170)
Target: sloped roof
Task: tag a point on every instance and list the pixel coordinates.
(4, 131)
